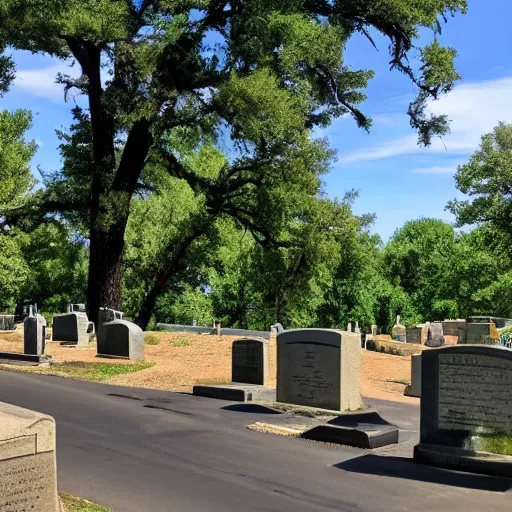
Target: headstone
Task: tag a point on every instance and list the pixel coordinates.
(349, 327)
(398, 333)
(106, 315)
(71, 328)
(451, 327)
(481, 333)
(435, 336)
(319, 368)
(90, 328)
(466, 409)
(194, 323)
(357, 328)
(249, 361)
(417, 334)
(414, 389)
(374, 330)
(7, 323)
(34, 334)
(121, 338)
(276, 328)
(78, 308)
(28, 478)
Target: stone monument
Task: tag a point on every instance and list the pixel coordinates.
(466, 409)
(34, 334)
(319, 368)
(28, 478)
(107, 315)
(121, 338)
(435, 336)
(249, 361)
(7, 323)
(399, 332)
(414, 389)
(71, 328)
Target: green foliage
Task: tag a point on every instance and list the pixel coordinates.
(15, 155)
(74, 504)
(14, 270)
(93, 371)
(487, 180)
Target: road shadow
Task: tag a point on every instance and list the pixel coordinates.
(251, 408)
(401, 467)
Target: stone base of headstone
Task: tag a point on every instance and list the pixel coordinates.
(366, 430)
(24, 359)
(237, 392)
(464, 460)
(414, 389)
(28, 476)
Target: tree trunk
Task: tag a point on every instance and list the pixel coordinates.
(175, 262)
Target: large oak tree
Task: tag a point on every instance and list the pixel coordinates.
(258, 72)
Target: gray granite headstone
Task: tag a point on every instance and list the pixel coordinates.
(319, 368)
(28, 476)
(34, 335)
(106, 315)
(71, 328)
(435, 337)
(466, 405)
(121, 338)
(249, 361)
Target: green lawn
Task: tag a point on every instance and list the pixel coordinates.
(79, 505)
(86, 371)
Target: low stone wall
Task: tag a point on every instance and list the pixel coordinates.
(396, 348)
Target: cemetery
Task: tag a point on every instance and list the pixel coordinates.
(255, 256)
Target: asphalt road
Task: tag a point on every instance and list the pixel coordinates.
(149, 451)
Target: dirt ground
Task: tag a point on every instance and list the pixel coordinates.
(184, 359)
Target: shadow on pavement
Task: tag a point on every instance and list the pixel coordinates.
(251, 408)
(396, 467)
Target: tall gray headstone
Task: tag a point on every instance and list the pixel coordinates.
(466, 408)
(71, 328)
(319, 368)
(249, 361)
(121, 338)
(28, 476)
(34, 334)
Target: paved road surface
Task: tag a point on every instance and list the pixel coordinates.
(198, 456)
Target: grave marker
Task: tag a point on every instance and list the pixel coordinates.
(27, 461)
(466, 409)
(249, 361)
(319, 368)
(398, 333)
(34, 334)
(435, 336)
(121, 338)
(71, 328)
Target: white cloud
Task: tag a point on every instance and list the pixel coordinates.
(473, 109)
(449, 169)
(41, 82)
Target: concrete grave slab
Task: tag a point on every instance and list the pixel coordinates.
(365, 430)
(319, 368)
(236, 392)
(27, 461)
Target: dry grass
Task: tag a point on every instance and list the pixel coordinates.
(206, 359)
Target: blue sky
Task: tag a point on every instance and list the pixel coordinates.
(397, 180)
